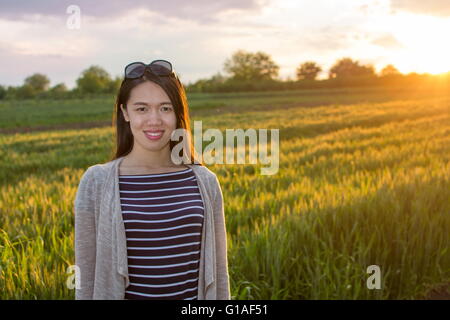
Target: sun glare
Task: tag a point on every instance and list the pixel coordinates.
(426, 48)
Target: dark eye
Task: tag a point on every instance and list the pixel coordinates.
(140, 108)
(167, 108)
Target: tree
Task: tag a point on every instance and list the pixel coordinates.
(25, 92)
(11, 92)
(58, 91)
(94, 80)
(308, 70)
(114, 85)
(37, 82)
(2, 92)
(346, 67)
(217, 78)
(59, 88)
(251, 66)
(389, 70)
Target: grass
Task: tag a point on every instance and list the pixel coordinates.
(16, 116)
(364, 181)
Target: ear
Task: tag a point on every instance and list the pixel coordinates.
(125, 113)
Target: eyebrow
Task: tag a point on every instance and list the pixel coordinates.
(147, 104)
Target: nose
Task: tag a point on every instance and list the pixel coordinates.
(153, 118)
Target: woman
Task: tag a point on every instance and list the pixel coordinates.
(146, 226)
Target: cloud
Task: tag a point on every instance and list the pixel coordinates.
(201, 11)
(196, 36)
(58, 68)
(387, 41)
(428, 7)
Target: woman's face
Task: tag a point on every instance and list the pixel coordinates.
(149, 109)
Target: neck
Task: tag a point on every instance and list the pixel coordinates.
(149, 159)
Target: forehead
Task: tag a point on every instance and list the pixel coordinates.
(148, 92)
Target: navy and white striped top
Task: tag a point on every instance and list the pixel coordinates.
(163, 218)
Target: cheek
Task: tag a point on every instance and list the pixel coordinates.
(135, 123)
(171, 121)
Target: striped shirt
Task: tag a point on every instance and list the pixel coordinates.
(163, 218)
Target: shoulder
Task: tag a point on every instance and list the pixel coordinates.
(93, 172)
(91, 184)
(204, 173)
(97, 172)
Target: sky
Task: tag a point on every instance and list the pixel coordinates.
(197, 36)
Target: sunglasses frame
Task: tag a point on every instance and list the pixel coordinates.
(147, 66)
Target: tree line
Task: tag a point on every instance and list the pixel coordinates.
(248, 71)
(92, 81)
(244, 71)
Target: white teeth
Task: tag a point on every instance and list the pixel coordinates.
(154, 134)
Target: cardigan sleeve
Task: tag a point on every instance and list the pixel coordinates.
(85, 235)
(223, 284)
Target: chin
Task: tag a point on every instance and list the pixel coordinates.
(154, 145)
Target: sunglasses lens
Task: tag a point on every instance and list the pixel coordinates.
(135, 70)
(161, 67)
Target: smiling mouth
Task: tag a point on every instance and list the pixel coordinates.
(153, 135)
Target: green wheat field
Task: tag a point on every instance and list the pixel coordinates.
(364, 179)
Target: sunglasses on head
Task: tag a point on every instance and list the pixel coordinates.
(159, 67)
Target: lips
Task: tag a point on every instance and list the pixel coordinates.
(153, 134)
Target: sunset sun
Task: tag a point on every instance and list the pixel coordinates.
(425, 48)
